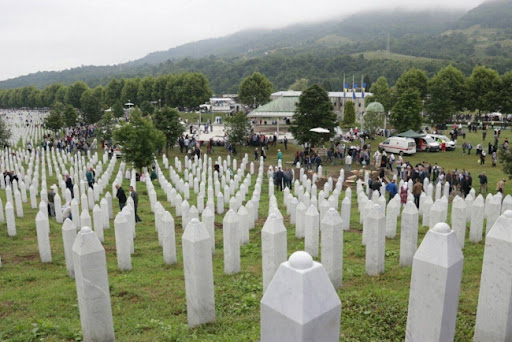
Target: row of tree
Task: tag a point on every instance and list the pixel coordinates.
(447, 93)
(186, 90)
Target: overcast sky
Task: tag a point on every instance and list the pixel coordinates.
(43, 35)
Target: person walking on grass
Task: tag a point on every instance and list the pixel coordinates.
(51, 202)
(500, 187)
(279, 156)
(416, 191)
(121, 196)
(348, 161)
(135, 197)
(483, 183)
(90, 177)
(391, 189)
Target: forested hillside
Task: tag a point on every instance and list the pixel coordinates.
(490, 14)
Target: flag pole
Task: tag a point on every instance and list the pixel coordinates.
(344, 96)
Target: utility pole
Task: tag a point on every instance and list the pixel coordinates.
(387, 47)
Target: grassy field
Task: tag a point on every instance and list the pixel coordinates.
(204, 117)
(382, 54)
(38, 301)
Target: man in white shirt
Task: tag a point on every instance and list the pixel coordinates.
(348, 161)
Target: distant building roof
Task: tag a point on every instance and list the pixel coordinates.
(287, 93)
(280, 107)
(348, 94)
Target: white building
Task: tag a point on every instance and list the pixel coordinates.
(338, 99)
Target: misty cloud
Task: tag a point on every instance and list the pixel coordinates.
(38, 35)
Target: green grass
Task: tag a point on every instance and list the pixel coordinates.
(38, 301)
(194, 117)
(382, 54)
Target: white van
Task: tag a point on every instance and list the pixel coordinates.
(428, 144)
(398, 145)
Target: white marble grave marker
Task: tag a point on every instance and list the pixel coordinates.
(435, 287)
(92, 287)
(493, 321)
(198, 269)
(332, 246)
(300, 304)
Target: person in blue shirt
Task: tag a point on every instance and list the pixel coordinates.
(391, 189)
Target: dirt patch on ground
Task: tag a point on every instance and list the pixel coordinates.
(22, 258)
(217, 225)
(352, 230)
(129, 296)
(270, 129)
(7, 304)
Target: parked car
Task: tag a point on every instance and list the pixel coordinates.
(398, 145)
(427, 144)
(450, 145)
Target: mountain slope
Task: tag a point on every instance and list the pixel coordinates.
(362, 26)
(422, 37)
(490, 14)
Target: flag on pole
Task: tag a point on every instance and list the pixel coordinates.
(344, 87)
(353, 88)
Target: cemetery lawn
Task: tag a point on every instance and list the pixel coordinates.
(38, 301)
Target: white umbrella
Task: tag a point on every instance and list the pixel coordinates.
(128, 104)
(319, 130)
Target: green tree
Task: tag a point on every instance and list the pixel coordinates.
(299, 85)
(372, 122)
(118, 109)
(49, 93)
(130, 91)
(326, 84)
(113, 91)
(54, 121)
(192, 90)
(61, 94)
(75, 92)
(139, 140)
(506, 90)
(314, 109)
(255, 90)
(167, 120)
(447, 94)
(381, 93)
(238, 128)
(159, 88)
(349, 113)
(106, 126)
(407, 111)
(505, 157)
(91, 106)
(5, 133)
(147, 108)
(415, 79)
(145, 91)
(70, 116)
(483, 90)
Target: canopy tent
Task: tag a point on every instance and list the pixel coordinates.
(410, 134)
